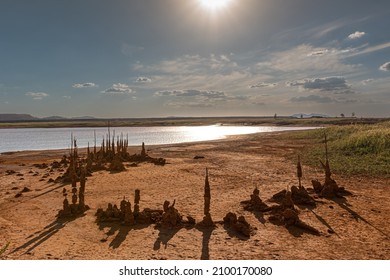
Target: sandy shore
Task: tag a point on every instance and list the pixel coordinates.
(354, 228)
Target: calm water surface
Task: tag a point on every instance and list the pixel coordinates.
(22, 139)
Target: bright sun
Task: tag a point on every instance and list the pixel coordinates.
(214, 4)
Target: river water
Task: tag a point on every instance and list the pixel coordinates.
(22, 139)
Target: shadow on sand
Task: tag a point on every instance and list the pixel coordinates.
(342, 202)
(121, 232)
(206, 234)
(164, 235)
(43, 235)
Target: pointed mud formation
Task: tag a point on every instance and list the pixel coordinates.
(255, 203)
(299, 194)
(286, 214)
(330, 188)
(238, 225)
(126, 216)
(171, 217)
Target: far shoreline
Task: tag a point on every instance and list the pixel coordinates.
(190, 121)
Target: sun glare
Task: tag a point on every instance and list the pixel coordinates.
(214, 5)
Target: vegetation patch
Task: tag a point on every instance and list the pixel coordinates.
(353, 149)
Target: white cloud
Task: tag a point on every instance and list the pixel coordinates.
(192, 93)
(37, 95)
(367, 81)
(356, 35)
(84, 85)
(119, 89)
(66, 97)
(385, 67)
(143, 80)
(263, 85)
(330, 84)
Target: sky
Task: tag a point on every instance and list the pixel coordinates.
(162, 58)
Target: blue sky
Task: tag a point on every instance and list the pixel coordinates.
(156, 58)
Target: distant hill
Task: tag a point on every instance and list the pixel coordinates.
(308, 116)
(27, 117)
(83, 118)
(17, 117)
(51, 118)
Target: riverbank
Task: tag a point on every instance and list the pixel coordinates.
(355, 227)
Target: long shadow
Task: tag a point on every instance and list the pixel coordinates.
(164, 235)
(343, 204)
(295, 231)
(43, 236)
(322, 220)
(206, 234)
(46, 192)
(122, 231)
(30, 198)
(120, 237)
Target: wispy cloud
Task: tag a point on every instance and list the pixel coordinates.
(198, 98)
(356, 35)
(37, 95)
(307, 59)
(385, 66)
(321, 99)
(84, 85)
(312, 99)
(319, 52)
(119, 89)
(371, 49)
(182, 104)
(195, 71)
(192, 93)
